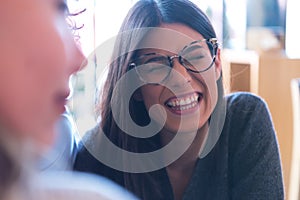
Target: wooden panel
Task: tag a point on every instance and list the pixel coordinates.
(294, 186)
(275, 75)
(270, 77)
(239, 70)
(239, 77)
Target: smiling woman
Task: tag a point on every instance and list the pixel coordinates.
(167, 131)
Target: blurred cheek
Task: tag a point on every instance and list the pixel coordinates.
(24, 115)
(36, 72)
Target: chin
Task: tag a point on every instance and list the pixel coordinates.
(44, 139)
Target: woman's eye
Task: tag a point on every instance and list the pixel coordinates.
(196, 59)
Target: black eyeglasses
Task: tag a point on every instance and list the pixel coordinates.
(195, 57)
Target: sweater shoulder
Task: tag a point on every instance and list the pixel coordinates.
(248, 115)
(85, 160)
(244, 100)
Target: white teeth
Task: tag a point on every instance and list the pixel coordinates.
(193, 99)
(188, 101)
(173, 103)
(184, 103)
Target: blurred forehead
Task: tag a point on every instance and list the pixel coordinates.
(169, 37)
(21, 14)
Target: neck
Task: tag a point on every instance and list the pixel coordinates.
(188, 159)
(181, 170)
(16, 163)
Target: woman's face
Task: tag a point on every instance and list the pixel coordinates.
(185, 97)
(37, 57)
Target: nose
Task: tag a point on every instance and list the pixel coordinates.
(176, 65)
(79, 59)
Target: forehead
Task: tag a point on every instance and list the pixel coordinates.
(169, 37)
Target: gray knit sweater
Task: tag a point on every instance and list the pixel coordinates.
(244, 164)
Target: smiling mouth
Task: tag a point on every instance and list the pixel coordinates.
(185, 103)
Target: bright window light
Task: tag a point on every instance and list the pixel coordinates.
(292, 44)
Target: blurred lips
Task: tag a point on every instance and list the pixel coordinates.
(61, 100)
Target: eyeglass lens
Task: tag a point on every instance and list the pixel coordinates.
(155, 67)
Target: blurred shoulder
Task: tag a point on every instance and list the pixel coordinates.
(88, 139)
(79, 186)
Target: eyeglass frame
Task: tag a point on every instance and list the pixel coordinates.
(212, 41)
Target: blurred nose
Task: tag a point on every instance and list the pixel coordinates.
(181, 76)
(79, 59)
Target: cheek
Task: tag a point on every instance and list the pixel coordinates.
(34, 66)
(34, 74)
(51, 59)
(210, 81)
(26, 107)
(151, 95)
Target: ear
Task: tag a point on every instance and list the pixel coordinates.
(218, 64)
(137, 95)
